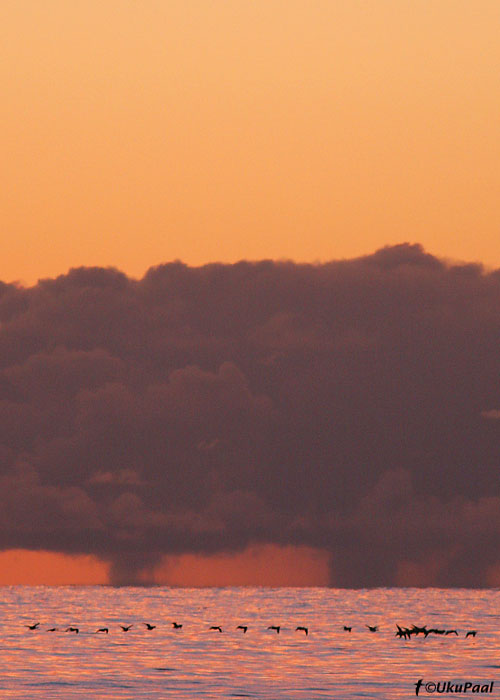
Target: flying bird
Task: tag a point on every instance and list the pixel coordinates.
(176, 626)
(403, 632)
(102, 629)
(242, 627)
(216, 627)
(472, 633)
(52, 629)
(302, 629)
(372, 628)
(150, 627)
(126, 628)
(347, 629)
(451, 632)
(73, 629)
(33, 627)
(275, 627)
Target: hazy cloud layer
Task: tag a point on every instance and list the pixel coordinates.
(351, 406)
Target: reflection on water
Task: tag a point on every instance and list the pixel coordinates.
(196, 662)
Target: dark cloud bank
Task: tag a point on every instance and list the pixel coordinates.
(350, 406)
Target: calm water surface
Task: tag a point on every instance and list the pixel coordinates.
(195, 662)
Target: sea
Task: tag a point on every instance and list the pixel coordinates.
(194, 661)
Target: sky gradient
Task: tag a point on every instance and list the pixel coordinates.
(134, 133)
(266, 421)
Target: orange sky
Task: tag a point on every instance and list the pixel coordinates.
(268, 565)
(138, 132)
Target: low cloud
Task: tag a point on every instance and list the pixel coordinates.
(207, 410)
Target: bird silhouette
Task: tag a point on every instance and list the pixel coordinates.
(451, 632)
(347, 629)
(33, 627)
(472, 633)
(275, 627)
(176, 626)
(302, 629)
(52, 629)
(72, 629)
(102, 629)
(126, 628)
(242, 627)
(403, 632)
(150, 627)
(216, 627)
(372, 628)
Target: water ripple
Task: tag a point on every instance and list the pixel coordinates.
(194, 662)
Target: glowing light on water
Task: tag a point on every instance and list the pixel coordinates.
(196, 662)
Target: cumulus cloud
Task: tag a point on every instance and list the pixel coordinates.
(341, 406)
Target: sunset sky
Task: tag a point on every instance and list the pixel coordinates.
(137, 132)
(164, 422)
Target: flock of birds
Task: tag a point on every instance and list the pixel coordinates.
(407, 632)
(402, 632)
